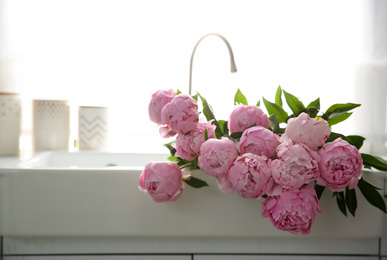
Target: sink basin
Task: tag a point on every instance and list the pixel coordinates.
(96, 194)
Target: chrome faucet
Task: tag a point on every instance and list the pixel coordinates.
(232, 62)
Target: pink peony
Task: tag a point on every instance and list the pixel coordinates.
(162, 181)
(181, 114)
(250, 175)
(341, 165)
(293, 211)
(310, 131)
(296, 165)
(244, 116)
(188, 145)
(217, 156)
(159, 99)
(260, 141)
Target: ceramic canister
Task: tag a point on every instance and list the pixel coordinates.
(10, 123)
(93, 128)
(51, 124)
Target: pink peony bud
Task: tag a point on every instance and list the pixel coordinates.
(260, 141)
(310, 131)
(341, 165)
(181, 114)
(244, 116)
(296, 165)
(250, 175)
(159, 99)
(293, 211)
(162, 181)
(188, 145)
(217, 156)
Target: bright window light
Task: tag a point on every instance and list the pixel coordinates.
(117, 53)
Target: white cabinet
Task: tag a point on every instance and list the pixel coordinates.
(101, 257)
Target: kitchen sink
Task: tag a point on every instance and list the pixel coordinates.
(96, 194)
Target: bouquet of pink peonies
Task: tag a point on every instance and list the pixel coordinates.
(285, 159)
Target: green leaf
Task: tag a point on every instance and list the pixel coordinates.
(351, 201)
(207, 109)
(337, 119)
(179, 161)
(173, 159)
(313, 108)
(196, 183)
(209, 114)
(319, 190)
(258, 103)
(171, 149)
(195, 97)
(333, 136)
(274, 123)
(205, 134)
(275, 126)
(240, 98)
(223, 127)
(273, 108)
(341, 202)
(312, 112)
(194, 163)
(314, 104)
(372, 195)
(338, 109)
(294, 103)
(373, 185)
(178, 92)
(278, 94)
(355, 140)
(374, 161)
(236, 135)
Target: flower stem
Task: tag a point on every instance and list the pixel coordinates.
(186, 165)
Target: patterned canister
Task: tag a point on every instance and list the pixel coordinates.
(51, 125)
(93, 128)
(10, 123)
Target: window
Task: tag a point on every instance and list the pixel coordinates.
(117, 53)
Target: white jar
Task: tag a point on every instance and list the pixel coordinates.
(51, 124)
(10, 123)
(93, 128)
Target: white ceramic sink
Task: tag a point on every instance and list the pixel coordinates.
(83, 194)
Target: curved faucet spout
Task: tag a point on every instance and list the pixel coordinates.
(232, 62)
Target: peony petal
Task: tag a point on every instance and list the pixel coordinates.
(166, 132)
(225, 185)
(273, 189)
